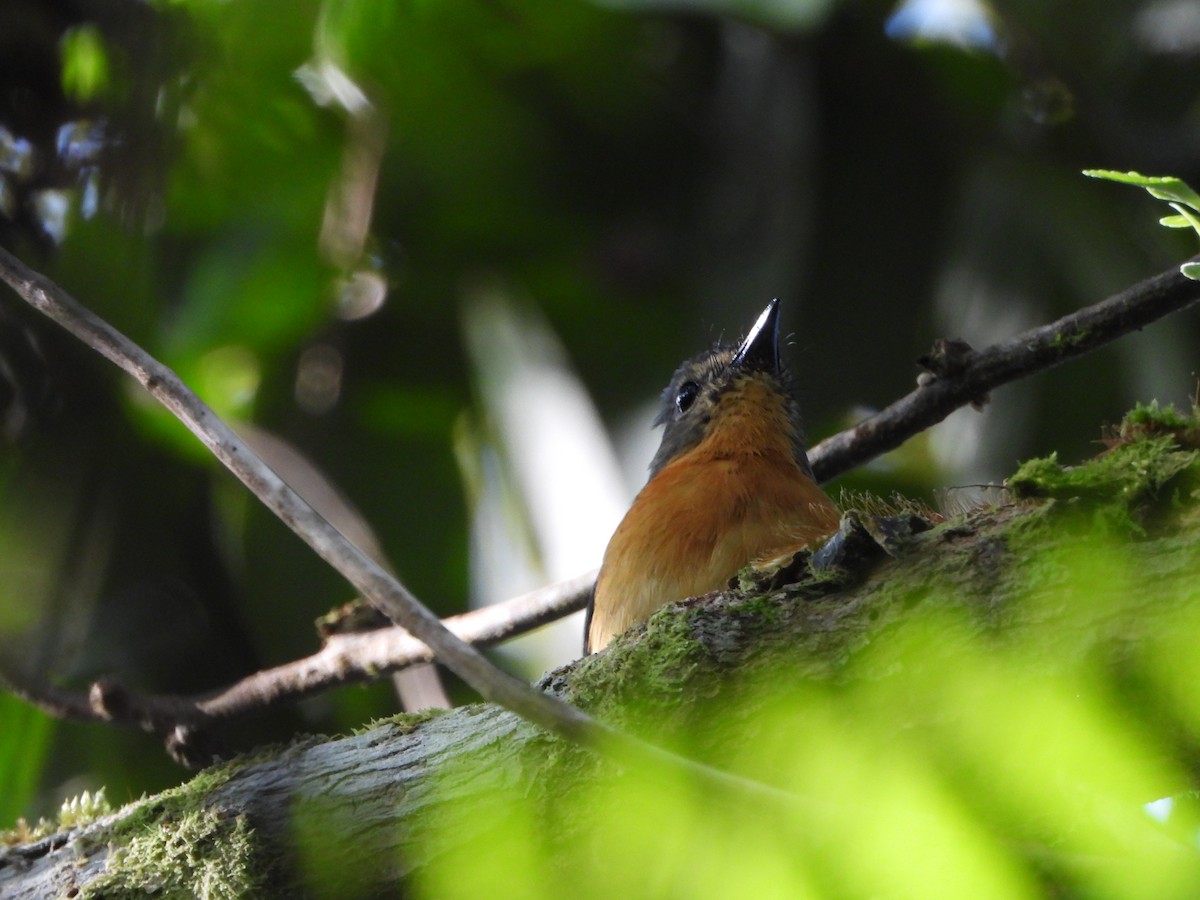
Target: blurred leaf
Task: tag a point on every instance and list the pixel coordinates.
(85, 70)
(228, 378)
(25, 735)
(410, 410)
(259, 290)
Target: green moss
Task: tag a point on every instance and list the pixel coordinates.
(404, 722)
(177, 844)
(81, 810)
(1163, 417)
(1064, 341)
(764, 607)
(199, 853)
(655, 659)
(798, 574)
(1121, 487)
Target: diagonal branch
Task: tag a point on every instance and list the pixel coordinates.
(374, 584)
(971, 374)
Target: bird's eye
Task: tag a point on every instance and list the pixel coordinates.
(686, 396)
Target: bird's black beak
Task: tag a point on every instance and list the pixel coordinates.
(759, 352)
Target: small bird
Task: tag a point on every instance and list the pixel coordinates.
(729, 487)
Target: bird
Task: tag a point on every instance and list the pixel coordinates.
(730, 486)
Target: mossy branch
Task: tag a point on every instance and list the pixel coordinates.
(903, 649)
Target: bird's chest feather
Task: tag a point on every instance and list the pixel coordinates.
(699, 521)
(709, 516)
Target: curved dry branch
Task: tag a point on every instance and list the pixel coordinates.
(348, 658)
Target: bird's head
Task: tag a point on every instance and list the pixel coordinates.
(738, 395)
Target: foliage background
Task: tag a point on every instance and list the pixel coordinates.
(560, 197)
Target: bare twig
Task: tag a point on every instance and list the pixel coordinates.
(344, 659)
(972, 374)
(364, 656)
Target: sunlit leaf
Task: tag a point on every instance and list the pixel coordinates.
(1175, 222)
(85, 70)
(1184, 200)
(1162, 187)
(1187, 215)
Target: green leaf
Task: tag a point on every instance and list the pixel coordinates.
(1184, 200)
(1163, 187)
(1188, 216)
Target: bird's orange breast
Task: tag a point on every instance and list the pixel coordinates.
(736, 498)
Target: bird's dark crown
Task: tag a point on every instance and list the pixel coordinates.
(702, 384)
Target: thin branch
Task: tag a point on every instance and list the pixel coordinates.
(349, 658)
(365, 655)
(965, 377)
(374, 584)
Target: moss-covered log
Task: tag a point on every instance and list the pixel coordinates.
(986, 701)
